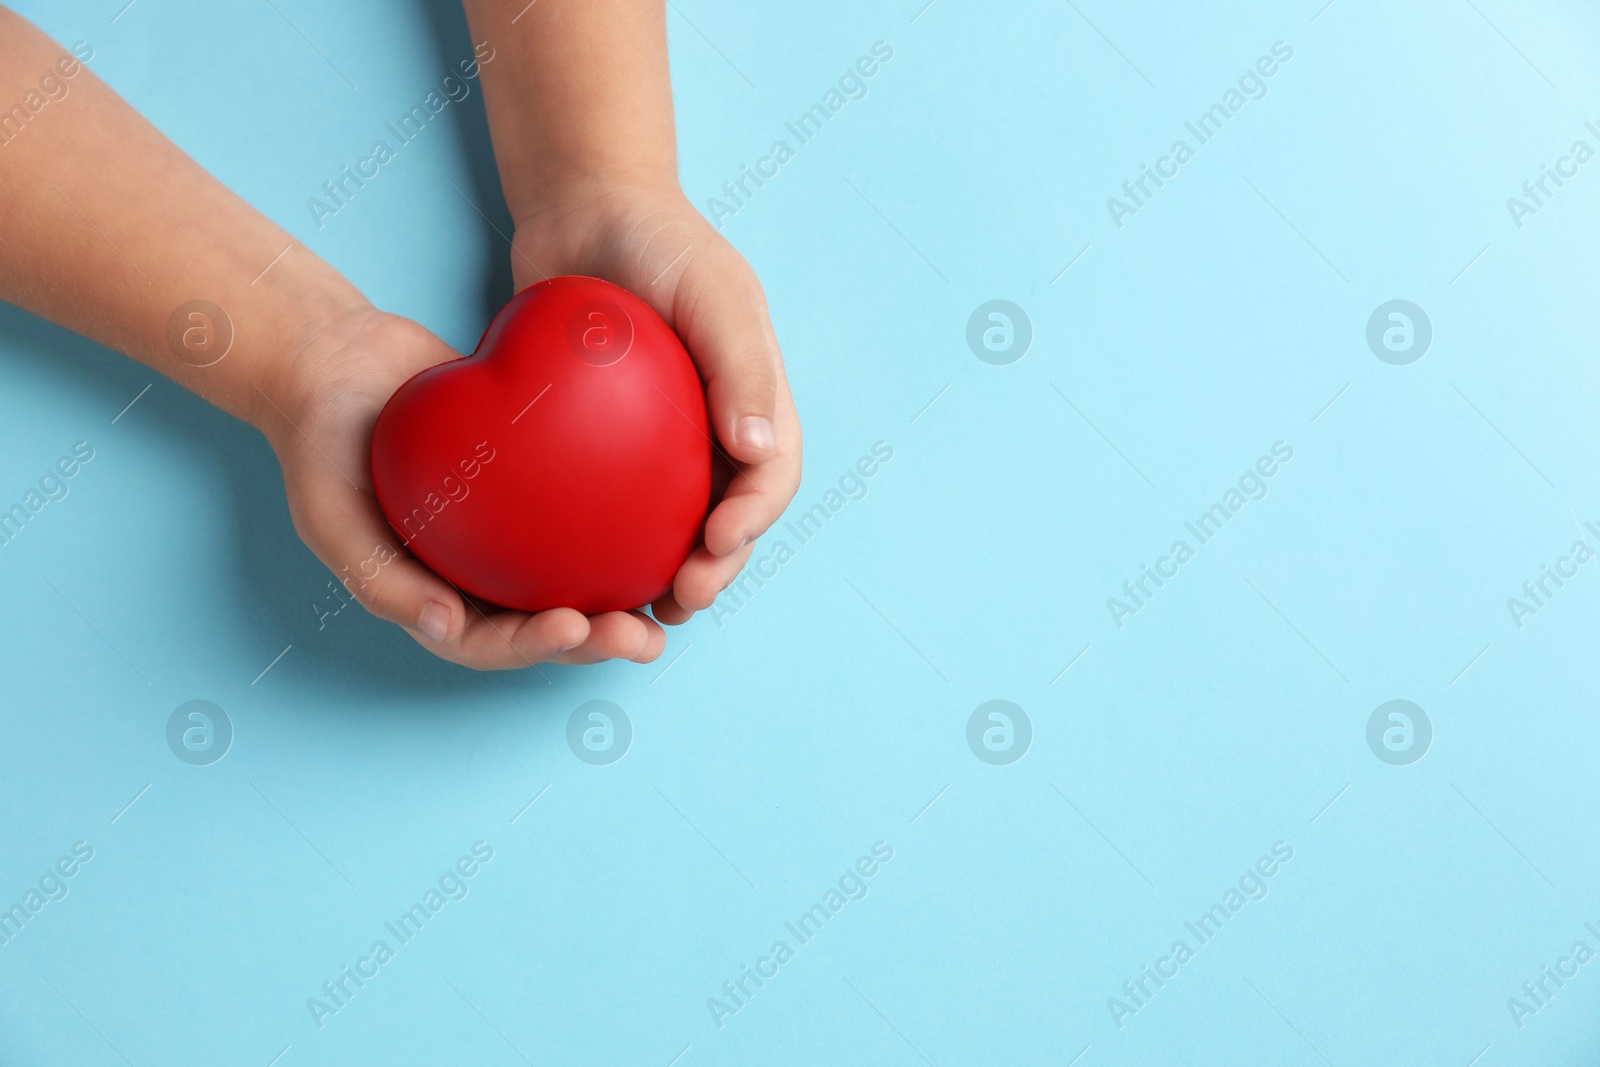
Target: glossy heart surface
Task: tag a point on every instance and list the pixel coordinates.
(565, 463)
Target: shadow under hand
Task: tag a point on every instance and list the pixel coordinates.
(284, 594)
(469, 125)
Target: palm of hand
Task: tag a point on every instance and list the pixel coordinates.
(657, 247)
(661, 249)
(322, 437)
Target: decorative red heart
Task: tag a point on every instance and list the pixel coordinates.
(565, 463)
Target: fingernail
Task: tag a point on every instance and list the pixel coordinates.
(757, 433)
(435, 622)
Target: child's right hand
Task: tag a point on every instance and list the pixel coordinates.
(318, 412)
(110, 230)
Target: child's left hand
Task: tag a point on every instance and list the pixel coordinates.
(318, 412)
(652, 242)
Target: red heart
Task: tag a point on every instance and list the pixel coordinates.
(565, 463)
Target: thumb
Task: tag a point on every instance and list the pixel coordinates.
(346, 530)
(727, 330)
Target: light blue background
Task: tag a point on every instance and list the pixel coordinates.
(819, 718)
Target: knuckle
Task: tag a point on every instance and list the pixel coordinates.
(372, 598)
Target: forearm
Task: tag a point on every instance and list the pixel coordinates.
(579, 95)
(107, 228)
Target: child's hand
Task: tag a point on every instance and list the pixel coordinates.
(108, 228)
(588, 163)
(318, 413)
(652, 242)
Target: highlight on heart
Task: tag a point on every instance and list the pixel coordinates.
(589, 469)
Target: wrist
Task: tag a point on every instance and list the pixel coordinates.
(580, 195)
(585, 222)
(296, 326)
(241, 344)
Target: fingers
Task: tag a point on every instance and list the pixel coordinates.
(749, 508)
(508, 640)
(630, 635)
(669, 612)
(752, 502)
(344, 527)
(761, 491)
(347, 531)
(721, 315)
(704, 575)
